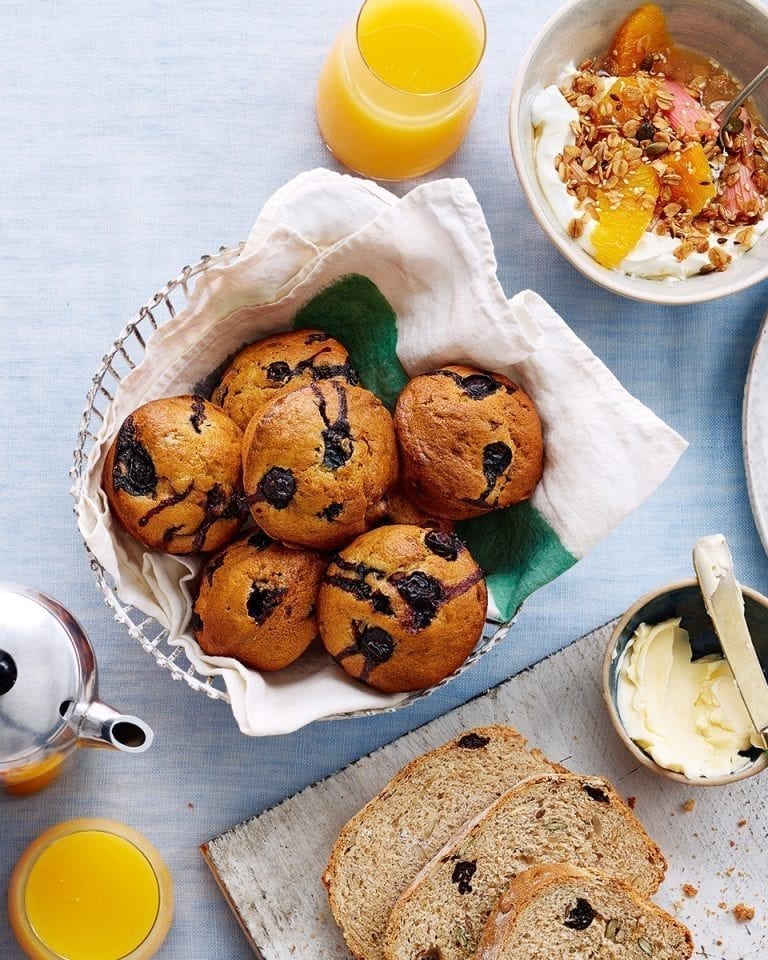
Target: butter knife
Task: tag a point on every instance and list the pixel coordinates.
(723, 599)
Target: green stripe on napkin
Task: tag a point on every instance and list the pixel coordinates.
(353, 310)
(516, 547)
(519, 552)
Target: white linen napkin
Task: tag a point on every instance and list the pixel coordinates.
(430, 257)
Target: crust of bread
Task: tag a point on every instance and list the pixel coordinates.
(531, 884)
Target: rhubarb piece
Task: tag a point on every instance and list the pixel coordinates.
(687, 117)
(740, 195)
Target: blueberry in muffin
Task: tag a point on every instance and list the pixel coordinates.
(256, 602)
(470, 442)
(316, 461)
(173, 476)
(272, 367)
(402, 607)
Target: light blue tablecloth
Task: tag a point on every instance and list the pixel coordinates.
(137, 135)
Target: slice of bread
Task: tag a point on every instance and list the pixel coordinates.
(563, 912)
(382, 848)
(553, 818)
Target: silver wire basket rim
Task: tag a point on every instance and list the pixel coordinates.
(146, 630)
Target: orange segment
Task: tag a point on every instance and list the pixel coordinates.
(625, 99)
(696, 187)
(625, 213)
(643, 33)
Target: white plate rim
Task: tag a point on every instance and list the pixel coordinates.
(755, 432)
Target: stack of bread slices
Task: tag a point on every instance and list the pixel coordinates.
(485, 849)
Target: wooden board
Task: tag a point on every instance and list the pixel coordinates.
(269, 868)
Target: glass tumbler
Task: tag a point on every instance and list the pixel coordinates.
(399, 87)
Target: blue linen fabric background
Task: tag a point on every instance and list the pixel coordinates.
(140, 134)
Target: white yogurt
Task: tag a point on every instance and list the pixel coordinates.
(653, 257)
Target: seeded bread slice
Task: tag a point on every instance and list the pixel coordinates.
(382, 848)
(561, 911)
(554, 818)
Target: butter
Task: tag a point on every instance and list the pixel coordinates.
(689, 716)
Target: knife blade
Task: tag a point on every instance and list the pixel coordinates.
(724, 602)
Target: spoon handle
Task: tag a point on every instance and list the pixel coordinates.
(737, 101)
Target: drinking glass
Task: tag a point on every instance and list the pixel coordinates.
(400, 85)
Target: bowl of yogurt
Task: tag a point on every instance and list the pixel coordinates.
(671, 694)
(617, 152)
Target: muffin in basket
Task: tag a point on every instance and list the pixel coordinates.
(470, 442)
(316, 461)
(173, 475)
(402, 607)
(272, 367)
(256, 602)
(397, 508)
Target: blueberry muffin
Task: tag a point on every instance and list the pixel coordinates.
(402, 607)
(266, 370)
(173, 476)
(316, 461)
(470, 442)
(397, 508)
(256, 602)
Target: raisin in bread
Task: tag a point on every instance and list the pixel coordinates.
(561, 911)
(382, 848)
(552, 818)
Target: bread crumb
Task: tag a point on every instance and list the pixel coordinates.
(732, 843)
(689, 890)
(689, 806)
(723, 905)
(743, 913)
(631, 802)
(741, 823)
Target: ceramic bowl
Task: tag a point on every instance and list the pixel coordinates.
(734, 33)
(681, 599)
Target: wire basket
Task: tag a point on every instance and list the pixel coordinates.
(126, 353)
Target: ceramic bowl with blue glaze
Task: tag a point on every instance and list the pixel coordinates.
(683, 600)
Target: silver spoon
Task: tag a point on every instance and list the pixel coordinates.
(725, 115)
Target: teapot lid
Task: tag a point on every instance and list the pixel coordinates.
(45, 665)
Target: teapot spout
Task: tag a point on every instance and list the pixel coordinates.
(102, 726)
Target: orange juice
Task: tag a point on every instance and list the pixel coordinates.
(418, 46)
(90, 890)
(398, 90)
(33, 777)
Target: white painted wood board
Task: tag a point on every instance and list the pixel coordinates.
(269, 868)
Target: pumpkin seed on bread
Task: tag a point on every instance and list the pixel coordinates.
(561, 911)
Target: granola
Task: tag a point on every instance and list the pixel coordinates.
(641, 156)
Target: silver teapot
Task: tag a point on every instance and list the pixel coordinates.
(48, 694)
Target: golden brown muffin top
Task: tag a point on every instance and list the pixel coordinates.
(316, 460)
(470, 441)
(402, 606)
(256, 602)
(270, 368)
(173, 475)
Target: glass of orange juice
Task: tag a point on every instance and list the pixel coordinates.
(398, 89)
